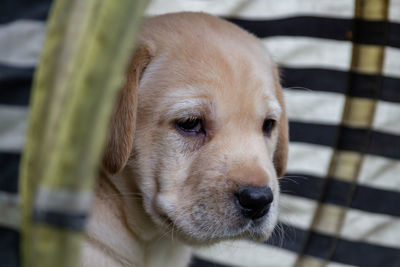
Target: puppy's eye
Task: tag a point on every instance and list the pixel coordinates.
(268, 126)
(190, 125)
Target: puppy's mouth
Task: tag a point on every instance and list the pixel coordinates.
(206, 224)
(258, 230)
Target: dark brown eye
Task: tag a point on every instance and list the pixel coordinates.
(190, 125)
(268, 126)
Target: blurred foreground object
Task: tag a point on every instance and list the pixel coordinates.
(88, 45)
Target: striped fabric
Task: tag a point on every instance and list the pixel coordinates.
(340, 65)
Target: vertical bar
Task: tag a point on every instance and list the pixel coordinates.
(88, 46)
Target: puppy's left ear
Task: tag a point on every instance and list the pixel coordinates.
(281, 151)
(123, 121)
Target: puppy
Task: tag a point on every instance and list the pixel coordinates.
(198, 140)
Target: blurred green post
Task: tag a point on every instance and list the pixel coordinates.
(88, 46)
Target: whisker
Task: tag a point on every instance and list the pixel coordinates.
(281, 234)
(127, 197)
(296, 176)
(124, 194)
(290, 178)
(299, 87)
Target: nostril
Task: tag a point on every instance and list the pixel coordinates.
(254, 201)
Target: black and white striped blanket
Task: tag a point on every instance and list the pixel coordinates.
(340, 65)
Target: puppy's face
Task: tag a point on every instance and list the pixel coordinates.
(211, 136)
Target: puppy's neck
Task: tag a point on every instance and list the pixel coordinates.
(120, 228)
(121, 193)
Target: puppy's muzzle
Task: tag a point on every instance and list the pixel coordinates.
(254, 202)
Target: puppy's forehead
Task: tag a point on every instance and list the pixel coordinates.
(221, 88)
(231, 83)
(206, 57)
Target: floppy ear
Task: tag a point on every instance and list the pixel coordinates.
(281, 152)
(123, 121)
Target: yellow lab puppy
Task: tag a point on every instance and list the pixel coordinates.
(198, 140)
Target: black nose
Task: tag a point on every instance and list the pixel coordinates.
(254, 202)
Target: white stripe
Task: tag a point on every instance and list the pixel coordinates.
(394, 11)
(359, 225)
(257, 9)
(391, 65)
(380, 172)
(309, 159)
(335, 264)
(301, 211)
(62, 200)
(12, 128)
(314, 106)
(310, 52)
(296, 211)
(373, 228)
(387, 117)
(247, 253)
(21, 42)
(9, 210)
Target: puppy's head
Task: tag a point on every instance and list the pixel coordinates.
(211, 132)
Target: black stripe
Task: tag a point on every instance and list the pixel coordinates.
(328, 28)
(383, 144)
(394, 34)
(287, 237)
(339, 192)
(9, 166)
(376, 200)
(351, 252)
(9, 247)
(367, 86)
(356, 30)
(367, 254)
(371, 142)
(372, 32)
(319, 134)
(16, 9)
(198, 262)
(15, 84)
(346, 251)
(352, 139)
(390, 90)
(74, 222)
(324, 80)
(315, 79)
(301, 185)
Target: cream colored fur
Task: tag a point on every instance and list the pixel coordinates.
(163, 189)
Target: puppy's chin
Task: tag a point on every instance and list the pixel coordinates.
(199, 226)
